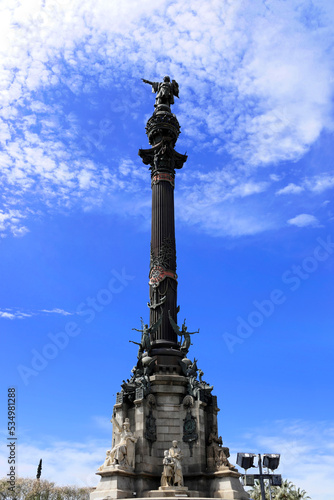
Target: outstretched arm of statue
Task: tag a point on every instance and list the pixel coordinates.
(147, 81)
(114, 421)
(192, 333)
(155, 85)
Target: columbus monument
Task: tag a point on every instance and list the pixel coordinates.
(165, 440)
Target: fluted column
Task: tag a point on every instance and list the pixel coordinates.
(163, 258)
(163, 130)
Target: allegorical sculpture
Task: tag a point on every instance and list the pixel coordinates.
(165, 91)
(140, 378)
(168, 470)
(123, 453)
(147, 335)
(199, 389)
(182, 333)
(217, 454)
(172, 467)
(176, 454)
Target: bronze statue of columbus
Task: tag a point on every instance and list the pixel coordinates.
(165, 91)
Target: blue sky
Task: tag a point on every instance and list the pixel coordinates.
(254, 219)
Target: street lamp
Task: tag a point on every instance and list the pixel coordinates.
(246, 460)
(270, 461)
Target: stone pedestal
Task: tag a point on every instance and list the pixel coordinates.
(170, 491)
(169, 413)
(114, 483)
(223, 484)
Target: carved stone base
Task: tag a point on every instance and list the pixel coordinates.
(114, 485)
(172, 491)
(115, 467)
(168, 413)
(224, 484)
(228, 488)
(116, 482)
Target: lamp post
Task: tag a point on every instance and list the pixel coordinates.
(263, 493)
(271, 461)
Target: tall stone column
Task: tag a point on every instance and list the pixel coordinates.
(164, 402)
(163, 130)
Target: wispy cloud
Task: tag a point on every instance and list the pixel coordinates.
(222, 202)
(291, 189)
(255, 83)
(320, 183)
(19, 314)
(14, 315)
(11, 222)
(316, 184)
(58, 459)
(304, 220)
(56, 311)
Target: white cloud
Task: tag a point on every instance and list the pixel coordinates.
(57, 311)
(255, 81)
(247, 189)
(19, 314)
(65, 463)
(13, 314)
(307, 453)
(320, 183)
(316, 184)
(304, 220)
(10, 221)
(222, 202)
(7, 315)
(290, 189)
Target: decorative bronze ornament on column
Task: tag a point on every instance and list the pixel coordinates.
(190, 435)
(151, 427)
